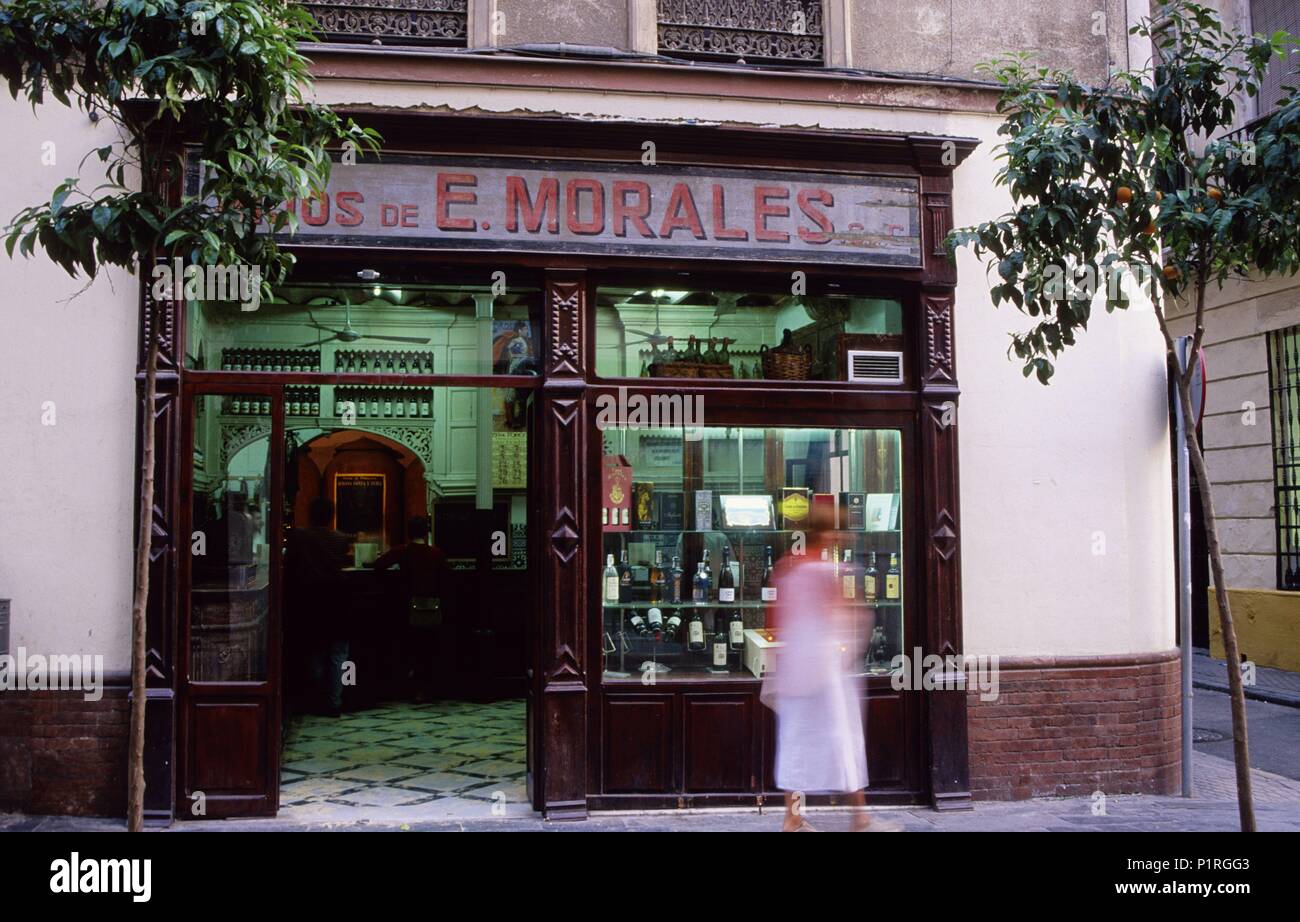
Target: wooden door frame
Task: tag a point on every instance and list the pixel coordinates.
(272, 694)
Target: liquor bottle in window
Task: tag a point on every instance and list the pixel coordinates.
(670, 354)
(848, 577)
(611, 581)
(401, 365)
(710, 356)
(671, 625)
(624, 579)
(638, 623)
(768, 590)
(736, 629)
(695, 633)
(702, 586)
(225, 360)
(675, 576)
(655, 618)
(426, 406)
(390, 367)
(388, 400)
(893, 579)
(374, 404)
(657, 577)
(719, 643)
(870, 582)
(726, 580)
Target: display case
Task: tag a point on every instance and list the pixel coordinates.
(696, 524)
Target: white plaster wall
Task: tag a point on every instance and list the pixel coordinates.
(66, 493)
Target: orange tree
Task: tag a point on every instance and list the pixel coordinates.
(227, 77)
(1121, 184)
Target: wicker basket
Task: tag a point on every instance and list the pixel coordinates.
(786, 365)
(691, 370)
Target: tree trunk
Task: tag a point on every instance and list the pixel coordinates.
(143, 550)
(1240, 749)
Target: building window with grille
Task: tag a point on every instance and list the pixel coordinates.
(1267, 17)
(743, 31)
(1284, 383)
(392, 22)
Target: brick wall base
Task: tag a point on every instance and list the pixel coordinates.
(1069, 726)
(61, 754)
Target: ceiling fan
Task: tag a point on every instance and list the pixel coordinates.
(658, 337)
(349, 335)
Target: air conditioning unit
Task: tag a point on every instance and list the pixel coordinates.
(875, 367)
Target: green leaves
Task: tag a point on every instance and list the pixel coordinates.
(1112, 184)
(224, 75)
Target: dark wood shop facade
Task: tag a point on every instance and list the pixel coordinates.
(725, 238)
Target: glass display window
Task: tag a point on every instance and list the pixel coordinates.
(704, 332)
(702, 527)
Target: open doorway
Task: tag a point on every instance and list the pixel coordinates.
(406, 594)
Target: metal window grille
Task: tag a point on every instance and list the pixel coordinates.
(1284, 386)
(392, 22)
(748, 31)
(1266, 17)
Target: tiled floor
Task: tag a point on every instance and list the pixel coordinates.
(449, 758)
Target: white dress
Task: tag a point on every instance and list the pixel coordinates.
(820, 745)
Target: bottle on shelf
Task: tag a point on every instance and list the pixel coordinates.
(848, 577)
(702, 585)
(624, 579)
(657, 577)
(638, 623)
(719, 643)
(736, 629)
(893, 579)
(726, 579)
(768, 590)
(675, 581)
(655, 620)
(672, 624)
(695, 633)
(610, 593)
(870, 580)
(670, 354)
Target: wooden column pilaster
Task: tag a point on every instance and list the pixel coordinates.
(949, 757)
(562, 427)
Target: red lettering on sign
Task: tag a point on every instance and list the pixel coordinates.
(720, 229)
(816, 215)
(320, 217)
(682, 214)
(446, 198)
(624, 212)
(763, 211)
(388, 215)
(347, 215)
(547, 204)
(572, 191)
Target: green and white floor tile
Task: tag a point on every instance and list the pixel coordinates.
(443, 758)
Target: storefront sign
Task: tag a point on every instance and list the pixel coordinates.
(602, 208)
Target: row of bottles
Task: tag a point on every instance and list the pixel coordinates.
(359, 361)
(302, 401)
(868, 585)
(270, 360)
(247, 405)
(384, 402)
(668, 584)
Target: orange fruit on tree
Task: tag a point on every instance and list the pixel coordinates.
(1123, 195)
(1150, 228)
(1171, 272)
(1215, 193)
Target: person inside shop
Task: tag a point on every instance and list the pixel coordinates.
(421, 565)
(820, 744)
(317, 607)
